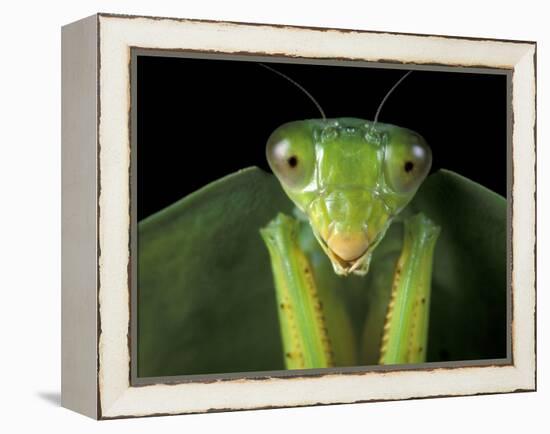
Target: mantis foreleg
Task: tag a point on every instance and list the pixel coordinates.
(405, 332)
(303, 327)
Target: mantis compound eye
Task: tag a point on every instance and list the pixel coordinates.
(290, 155)
(407, 162)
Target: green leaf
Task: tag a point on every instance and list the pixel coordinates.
(468, 314)
(206, 301)
(468, 305)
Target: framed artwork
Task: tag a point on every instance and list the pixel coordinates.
(261, 216)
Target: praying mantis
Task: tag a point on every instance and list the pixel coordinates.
(349, 180)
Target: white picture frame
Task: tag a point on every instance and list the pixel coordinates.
(96, 305)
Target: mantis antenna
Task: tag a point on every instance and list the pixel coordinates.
(299, 86)
(387, 95)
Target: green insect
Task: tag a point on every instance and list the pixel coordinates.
(349, 179)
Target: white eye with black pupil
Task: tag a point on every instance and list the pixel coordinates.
(290, 155)
(406, 164)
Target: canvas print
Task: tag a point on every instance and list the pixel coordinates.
(297, 215)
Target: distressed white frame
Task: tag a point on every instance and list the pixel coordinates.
(115, 397)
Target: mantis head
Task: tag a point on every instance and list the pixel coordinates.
(351, 177)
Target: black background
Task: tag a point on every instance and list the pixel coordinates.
(201, 119)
